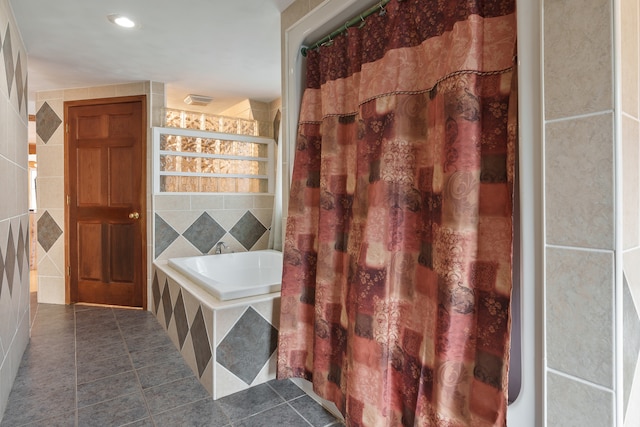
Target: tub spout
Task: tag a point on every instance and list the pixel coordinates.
(217, 250)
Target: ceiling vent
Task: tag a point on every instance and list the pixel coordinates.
(198, 100)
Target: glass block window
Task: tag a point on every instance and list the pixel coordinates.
(197, 161)
(201, 121)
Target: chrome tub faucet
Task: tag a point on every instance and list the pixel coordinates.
(217, 249)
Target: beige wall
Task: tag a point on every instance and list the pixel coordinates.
(586, 127)
(14, 217)
(579, 143)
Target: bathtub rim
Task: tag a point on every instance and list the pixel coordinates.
(176, 263)
(205, 297)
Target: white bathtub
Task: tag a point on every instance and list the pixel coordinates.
(236, 275)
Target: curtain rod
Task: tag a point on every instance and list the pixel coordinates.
(350, 23)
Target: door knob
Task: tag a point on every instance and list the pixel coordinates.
(134, 215)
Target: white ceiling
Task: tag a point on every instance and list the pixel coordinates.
(228, 49)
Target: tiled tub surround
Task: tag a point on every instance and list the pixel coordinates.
(189, 225)
(230, 345)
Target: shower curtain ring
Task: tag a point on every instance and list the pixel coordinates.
(383, 11)
(362, 24)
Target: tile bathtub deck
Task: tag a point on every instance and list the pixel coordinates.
(94, 366)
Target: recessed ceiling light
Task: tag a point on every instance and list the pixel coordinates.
(121, 20)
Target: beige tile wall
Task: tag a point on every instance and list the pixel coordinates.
(14, 215)
(180, 212)
(581, 142)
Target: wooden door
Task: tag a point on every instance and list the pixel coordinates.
(106, 183)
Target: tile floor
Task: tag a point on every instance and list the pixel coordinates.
(95, 366)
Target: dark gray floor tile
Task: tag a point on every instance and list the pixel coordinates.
(41, 387)
(142, 423)
(154, 356)
(58, 328)
(89, 341)
(96, 327)
(164, 397)
(116, 412)
(145, 326)
(48, 357)
(94, 312)
(65, 420)
(24, 411)
(202, 413)
(286, 389)
(107, 388)
(135, 343)
(62, 372)
(52, 340)
(249, 402)
(55, 311)
(92, 329)
(281, 415)
(92, 346)
(95, 369)
(312, 411)
(131, 315)
(103, 351)
(152, 376)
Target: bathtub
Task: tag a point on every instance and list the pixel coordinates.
(235, 275)
(216, 321)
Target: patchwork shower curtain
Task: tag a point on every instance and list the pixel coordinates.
(397, 272)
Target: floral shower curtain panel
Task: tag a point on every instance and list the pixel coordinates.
(397, 273)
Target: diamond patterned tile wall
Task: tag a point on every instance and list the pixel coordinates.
(165, 235)
(14, 73)
(204, 233)
(19, 86)
(166, 304)
(201, 344)
(1, 272)
(155, 291)
(21, 252)
(248, 230)
(180, 316)
(47, 122)
(8, 58)
(10, 260)
(248, 346)
(48, 231)
(12, 256)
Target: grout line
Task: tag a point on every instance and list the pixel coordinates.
(75, 361)
(581, 249)
(135, 371)
(579, 116)
(580, 380)
(301, 416)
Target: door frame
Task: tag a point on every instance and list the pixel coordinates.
(143, 185)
